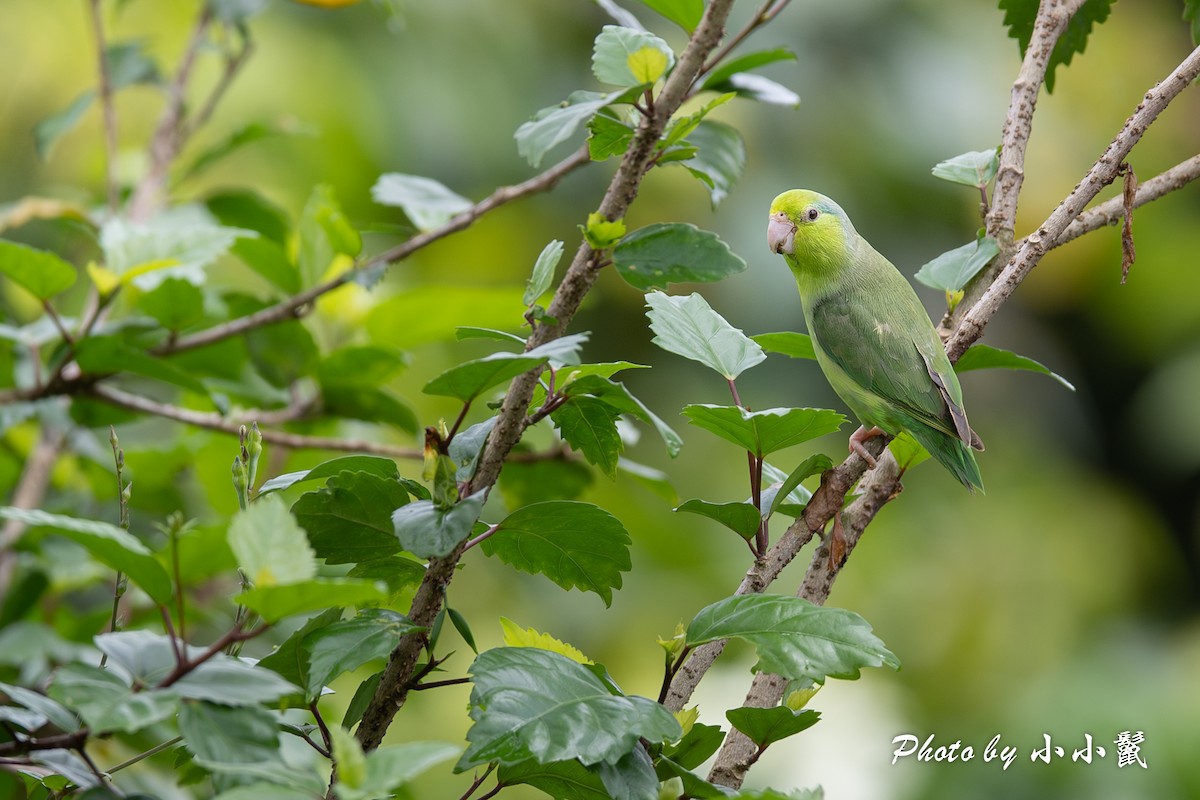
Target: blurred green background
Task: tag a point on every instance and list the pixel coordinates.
(1065, 601)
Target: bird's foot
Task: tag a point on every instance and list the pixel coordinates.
(859, 438)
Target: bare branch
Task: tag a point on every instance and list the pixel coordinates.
(1102, 173)
(510, 424)
(299, 305)
(108, 109)
(215, 422)
(29, 491)
(1110, 212)
(765, 13)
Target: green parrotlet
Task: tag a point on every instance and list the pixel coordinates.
(872, 337)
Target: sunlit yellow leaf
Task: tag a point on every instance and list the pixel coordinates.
(516, 636)
(687, 718)
(647, 64)
(105, 279)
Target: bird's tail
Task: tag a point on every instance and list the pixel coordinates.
(952, 454)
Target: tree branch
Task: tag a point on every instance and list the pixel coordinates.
(29, 491)
(215, 422)
(1102, 173)
(108, 109)
(510, 424)
(298, 305)
(1111, 211)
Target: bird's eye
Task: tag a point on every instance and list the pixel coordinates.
(812, 214)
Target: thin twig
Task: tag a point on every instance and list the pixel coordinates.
(298, 305)
(479, 779)
(766, 12)
(233, 635)
(108, 109)
(158, 748)
(233, 65)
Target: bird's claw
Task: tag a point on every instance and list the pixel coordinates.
(857, 441)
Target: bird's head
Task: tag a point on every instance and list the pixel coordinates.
(809, 230)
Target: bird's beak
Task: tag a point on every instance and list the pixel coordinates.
(781, 234)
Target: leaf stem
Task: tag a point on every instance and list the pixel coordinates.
(158, 748)
(489, 532)
(479, 779)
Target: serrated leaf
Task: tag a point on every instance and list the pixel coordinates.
(626, 57)
(555, 124)
(1019, 16)
(720, 157)
(530, 703)
(543, 272)
(565, 779)
(608, 136)
(468, 380)
(619, 397)
(721, 75)
(697, 745)
(350, 520)
(601, 233)
(794, 638)
(976, 168)
(275, 602)
(765, 726)
(142, 657)
(348, 644)
(952, 270)
(270, 547)
(631, 777)
(795, 345)
(589, 425)
(176, 303)
(426, 202)
(741, 518)
(576, 545)
(982, 356)
(427, 531)
(221, 735)
(693, 785)
(684, 13)
(108, 544)
(687, 326)
(391, 766)
(516, 636)
(290, 660)
(664, 253)
(40, 272)
(764, 432)
(106, 703)
(525, 482)
(175, 244)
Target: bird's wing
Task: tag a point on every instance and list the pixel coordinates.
(881, 353)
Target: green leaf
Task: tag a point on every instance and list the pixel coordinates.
(976, 168)
(106, 703)
(565, 779)
(756, 87)
(349, 758)
(109, 544)
(348, 644)
(269, 546)
(375, 465)
(291, 659)
(907, 451)
(428, 531)
(608, 136)
(813, 465)
(555, 124)
(128, 65)
(248, 133)
(684, 13)
(368, 404)
(693, 785)
(426, 202)
(174, 244)
(720, 157)
(763, 432)
(543, 272)
(325, 233)
(269, 259)
(627, 57)
(223, 735)
(687, 326)
(350, 520)
(392, 766)
(231, 681)
(145, 658)
(470, 379)
(465, 332)
(40, 272)
(249, 210)
(982, 356)
(531, 703)
(741, 518)
(765, 726)
(601, 233)
(51, 709)
(177, 304)
(652, 479)
(697, 745)
(1191, 11)
(794, 638)
(663, 253)
(796, 345)
(363, 696)
(434, 313)
(525, 482)
(576, 545)
(466, 446)
(397, 572)
(589, 425)
(619, 397)
(49, 130)
(275, 602)
(100, 355)
(951, 270)
(720, 76)
(1019, 16)
(631, 777)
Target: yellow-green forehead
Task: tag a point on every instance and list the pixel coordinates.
(794, 201)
